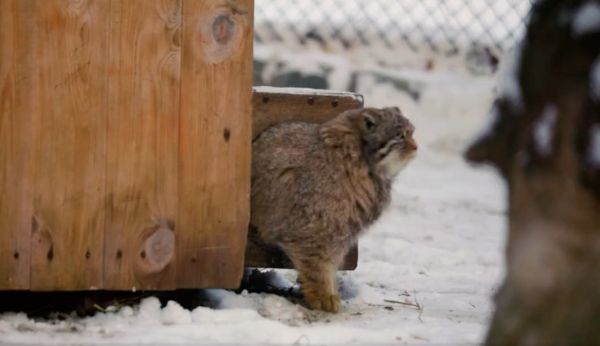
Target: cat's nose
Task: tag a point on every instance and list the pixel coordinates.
(412, 144)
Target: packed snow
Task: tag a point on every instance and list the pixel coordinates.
(587, 19)
(427, 269)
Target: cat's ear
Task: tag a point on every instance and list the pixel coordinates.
(369, 121)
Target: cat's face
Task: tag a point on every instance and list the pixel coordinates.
(387, 139)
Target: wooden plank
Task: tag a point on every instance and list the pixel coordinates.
(70, 39)
(15, 147)
(144, 78)
(276, 105)
(214, 143)
(272, 106)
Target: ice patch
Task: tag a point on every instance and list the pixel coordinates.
(595, 80)
(587, 19)
(594, 146)
(543, 130)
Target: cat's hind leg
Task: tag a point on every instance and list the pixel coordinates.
(318, 282)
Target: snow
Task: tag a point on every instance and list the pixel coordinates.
(509, 86)
(488, 129)
(587, 19)
(427, 269)
(173, 313)
(543, 130)
(594, 147)
(304, 91)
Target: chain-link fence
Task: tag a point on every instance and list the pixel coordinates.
(443, 26)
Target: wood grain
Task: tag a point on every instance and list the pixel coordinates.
(276, 105)
(116, 172)
(214, 143)
(69, 112)
(144, 78)
(15, 147)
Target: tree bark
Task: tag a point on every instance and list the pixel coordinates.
(545, 141)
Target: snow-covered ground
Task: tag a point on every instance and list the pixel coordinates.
(427, 270)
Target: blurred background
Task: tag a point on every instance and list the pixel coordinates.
(393, 32)
(440, 26)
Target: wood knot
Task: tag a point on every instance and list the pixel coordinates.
(16, 255)
(223, 28)
(158, 249)
(226, 134)
(311, 101)
(221, 31)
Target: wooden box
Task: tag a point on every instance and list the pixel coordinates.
(125, 131)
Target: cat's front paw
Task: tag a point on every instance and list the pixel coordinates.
(325, 302)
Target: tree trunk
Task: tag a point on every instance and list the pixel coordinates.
(545, 141)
